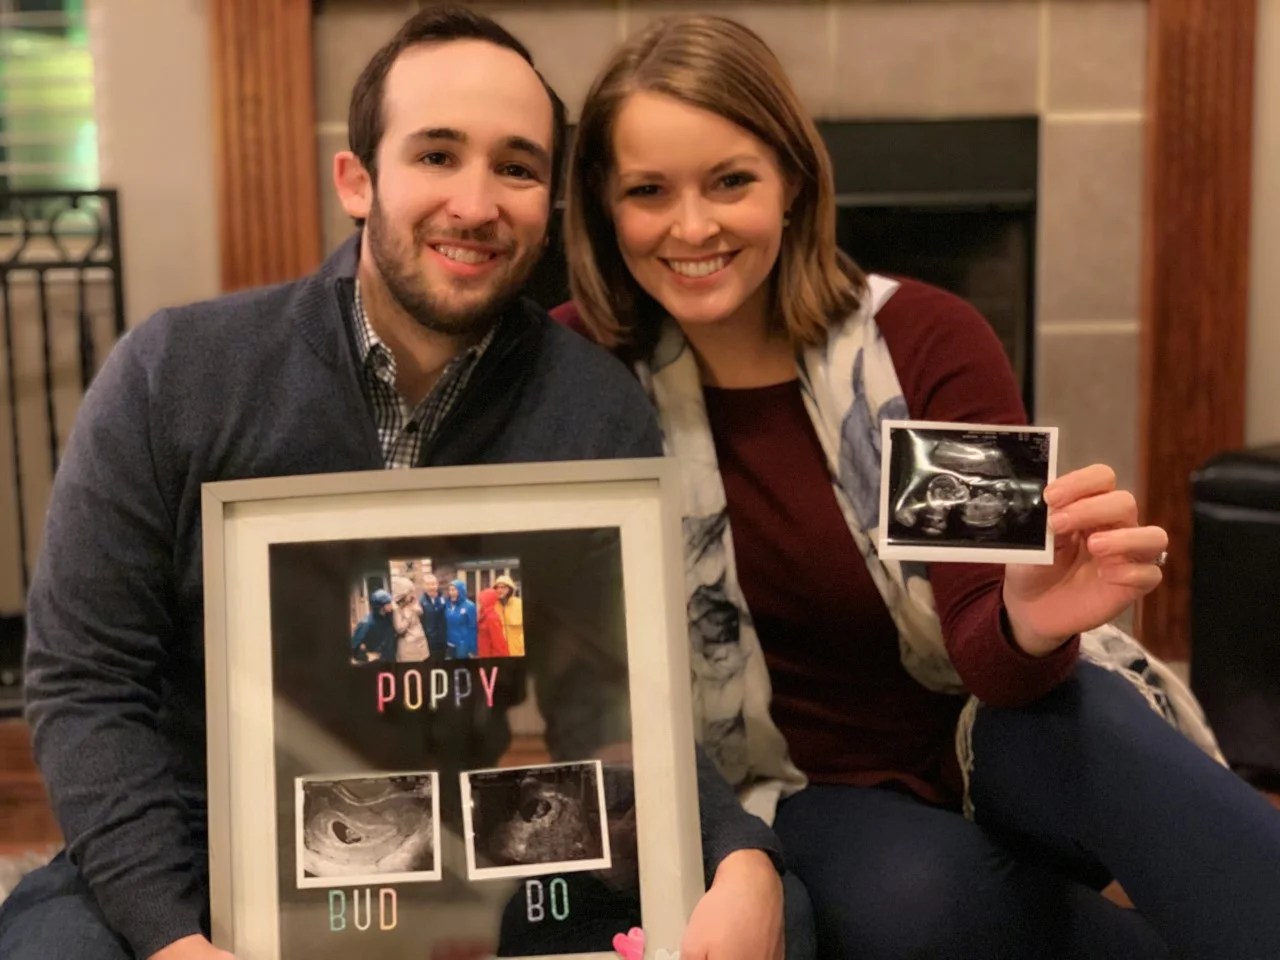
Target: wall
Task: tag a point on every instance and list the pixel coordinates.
(152, 80)
(153, 88)
(1077, 64)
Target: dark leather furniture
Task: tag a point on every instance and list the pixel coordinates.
(1235, 606)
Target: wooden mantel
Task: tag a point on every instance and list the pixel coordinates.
(1196, 228)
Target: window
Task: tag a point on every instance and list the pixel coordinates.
(48, 138)
(61, 300)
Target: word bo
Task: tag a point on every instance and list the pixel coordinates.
(536, 900)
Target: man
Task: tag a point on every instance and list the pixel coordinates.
(408, 347)
(433, 616)
(375, 636)
(512, 610)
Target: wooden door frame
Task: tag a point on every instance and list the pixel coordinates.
(265, 134)
(1195, 277)
(1200, 66)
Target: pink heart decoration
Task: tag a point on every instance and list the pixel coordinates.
(630, 945)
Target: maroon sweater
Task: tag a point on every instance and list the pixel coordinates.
(849, 710)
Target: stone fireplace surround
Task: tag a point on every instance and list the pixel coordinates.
(1071, 71)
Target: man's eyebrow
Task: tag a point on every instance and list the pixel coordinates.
(438, 133)
(522, 144)
(525, 145)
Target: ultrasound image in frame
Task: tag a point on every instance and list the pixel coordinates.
(368, 829)
(534, 821)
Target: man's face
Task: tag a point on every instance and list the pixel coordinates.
(431, 586)
(459, 211)
(504, 592)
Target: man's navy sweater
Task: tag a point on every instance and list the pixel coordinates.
(255, 384)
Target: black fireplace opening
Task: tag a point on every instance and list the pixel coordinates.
(948, 202)
(980, 254)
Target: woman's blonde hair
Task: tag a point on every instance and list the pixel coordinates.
(723, 67)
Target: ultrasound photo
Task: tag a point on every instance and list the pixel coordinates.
(367, 830)
(966, 493)
(535, 821)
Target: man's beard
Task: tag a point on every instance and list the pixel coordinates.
(405, 279)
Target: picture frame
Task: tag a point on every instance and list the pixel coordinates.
(348, 743)
(965, 492)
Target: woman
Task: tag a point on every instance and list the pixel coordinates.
(701, 240)
(512, 609)
(491, 636)
(460, 622)
(406, 615)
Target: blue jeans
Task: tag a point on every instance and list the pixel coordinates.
(1084, 785)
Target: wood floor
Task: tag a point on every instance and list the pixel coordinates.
(26, 822)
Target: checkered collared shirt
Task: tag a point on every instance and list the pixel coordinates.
(402, 431)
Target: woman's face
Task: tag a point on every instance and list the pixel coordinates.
(453, 592)
(698, 205)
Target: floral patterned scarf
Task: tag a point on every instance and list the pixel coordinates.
(849, 386)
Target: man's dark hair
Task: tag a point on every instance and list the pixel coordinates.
(440, 24)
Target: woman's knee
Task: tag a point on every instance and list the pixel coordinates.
(1093, 718)
(920, 908)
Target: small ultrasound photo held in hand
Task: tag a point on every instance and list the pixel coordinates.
(368, 829)
(966, 493)
(535, 821)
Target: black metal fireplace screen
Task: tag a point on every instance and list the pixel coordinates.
(60, 285)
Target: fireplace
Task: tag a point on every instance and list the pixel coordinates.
(949, 202)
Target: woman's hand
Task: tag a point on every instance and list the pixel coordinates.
(740, 917)
(1103, 562)
(194, 947)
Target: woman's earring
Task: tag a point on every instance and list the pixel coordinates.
(786, 219)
